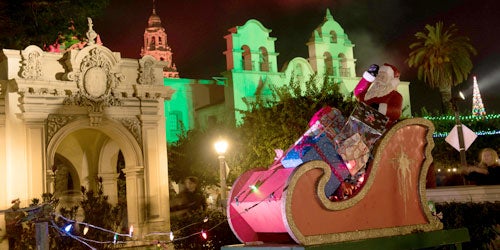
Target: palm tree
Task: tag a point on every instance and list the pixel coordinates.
(442, 59)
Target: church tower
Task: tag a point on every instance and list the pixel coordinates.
(330, 50)
(155, 44)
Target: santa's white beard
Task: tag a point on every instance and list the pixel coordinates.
(378, 89)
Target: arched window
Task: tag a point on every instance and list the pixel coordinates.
(344, 69)
(333, 36)
(174, 120)
(328, 64)
(247, 58)
(66, 175)
(263, 59)
(298, 72)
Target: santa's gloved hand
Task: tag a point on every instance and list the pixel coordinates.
(373, 70)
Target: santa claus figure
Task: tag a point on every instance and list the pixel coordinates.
(378, 89)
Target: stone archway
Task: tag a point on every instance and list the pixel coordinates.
(93, 152)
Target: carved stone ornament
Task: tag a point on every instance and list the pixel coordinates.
(146, 74)
(56, 122)
(96, 82)
(31, 67)
(133, 125)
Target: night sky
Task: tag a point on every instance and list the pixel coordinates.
(381, 31)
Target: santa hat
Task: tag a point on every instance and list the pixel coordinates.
(393, 72)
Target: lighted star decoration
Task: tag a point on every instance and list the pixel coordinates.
(402, 163)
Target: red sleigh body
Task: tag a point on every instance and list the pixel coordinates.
(289, 204)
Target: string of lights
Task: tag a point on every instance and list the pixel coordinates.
(468, 118)
(69, 225)
(63, 232)
(463, 117)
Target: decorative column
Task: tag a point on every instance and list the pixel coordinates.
(156, 170)
(35, 154)
(134, 177)
(110, 186)
(50, 186)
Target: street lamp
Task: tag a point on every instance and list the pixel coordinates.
(220, 148)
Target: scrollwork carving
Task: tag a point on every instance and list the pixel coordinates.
(31, 67)
(146, 73)
(56, 122)
(134, 126)
(95, 82)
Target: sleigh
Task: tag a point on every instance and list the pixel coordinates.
(287, 205)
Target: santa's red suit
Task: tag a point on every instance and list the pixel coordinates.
(387, 101)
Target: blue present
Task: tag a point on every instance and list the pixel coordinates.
(320, 148)
(294, 156)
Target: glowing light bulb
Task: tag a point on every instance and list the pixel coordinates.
(205, 219)
(68, 228)
(85, 230)
(131, 231)
(361, 179)
(171, 236)
(204, 234)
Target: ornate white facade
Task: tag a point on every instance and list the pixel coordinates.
(65, 118)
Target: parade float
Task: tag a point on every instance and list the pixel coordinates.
(345, 180)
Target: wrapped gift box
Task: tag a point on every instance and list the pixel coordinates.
(370, 117)
(318, 148)
(332, 123)
(366, 121)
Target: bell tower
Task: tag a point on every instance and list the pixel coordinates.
(155, 44)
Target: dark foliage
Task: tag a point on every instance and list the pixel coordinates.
(97, 211)
(34, 22)
(481, 219)
(217, 228)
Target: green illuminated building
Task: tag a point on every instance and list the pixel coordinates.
(251, 68)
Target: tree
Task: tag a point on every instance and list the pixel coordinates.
(35, 22)
(268, 124)
(442, 59)
(279, 122)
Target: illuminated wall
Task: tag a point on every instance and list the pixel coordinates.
(252, 67)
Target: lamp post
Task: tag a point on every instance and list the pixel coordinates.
(220, 148)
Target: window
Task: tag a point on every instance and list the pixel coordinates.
(247, 58)
(174, 120)
(333, 36)
(328, 64)
(344, 69)
(263, 59)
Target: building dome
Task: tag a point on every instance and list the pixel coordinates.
(154, 20)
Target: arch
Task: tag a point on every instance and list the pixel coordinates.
(108, 157)
(328, 64)
(247, 58)
(333, 36)
(67, 178)
(344, 68)
(298, 70)
(125, 140)
(254, 22)
(264, 59)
